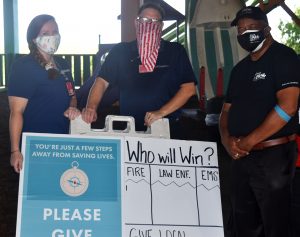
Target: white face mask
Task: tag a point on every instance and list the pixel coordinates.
(48, 44)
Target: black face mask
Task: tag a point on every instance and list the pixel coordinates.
(251, 39)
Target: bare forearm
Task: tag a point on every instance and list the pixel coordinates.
(180, 98)
(89, 113)
(15, 130)
(73, 102)
(288, 103)
(96, 93)
(272, 124)
(223, 124)
(287, 100)
(229, 142)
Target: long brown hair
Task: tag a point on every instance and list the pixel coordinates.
(32, 32)
(52, 72)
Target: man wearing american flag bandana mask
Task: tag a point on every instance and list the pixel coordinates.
(148, 35)
(155, 77)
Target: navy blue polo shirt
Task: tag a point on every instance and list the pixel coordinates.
(253, 86)
(143, 92)
(47, 98)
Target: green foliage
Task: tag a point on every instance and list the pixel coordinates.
(290, 33)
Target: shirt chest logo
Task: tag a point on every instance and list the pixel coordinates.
(259, 76)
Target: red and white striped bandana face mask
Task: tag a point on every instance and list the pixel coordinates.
(148, 40)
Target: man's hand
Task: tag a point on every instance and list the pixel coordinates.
(89, 115)
(231, 144)
(244, 143)
(152, 116)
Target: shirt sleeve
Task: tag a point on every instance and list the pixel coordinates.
(186, 70)
(22, 82)
(287, 70)
(109, 70)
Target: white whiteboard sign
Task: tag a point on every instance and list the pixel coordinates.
(170, 189)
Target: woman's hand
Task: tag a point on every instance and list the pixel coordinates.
(16, 160)
(72, 113)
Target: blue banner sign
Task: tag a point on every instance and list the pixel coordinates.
(70, 186)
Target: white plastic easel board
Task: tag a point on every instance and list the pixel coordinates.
(118, 184)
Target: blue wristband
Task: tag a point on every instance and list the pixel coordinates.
(282, 114)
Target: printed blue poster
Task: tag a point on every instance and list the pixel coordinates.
(70, 186)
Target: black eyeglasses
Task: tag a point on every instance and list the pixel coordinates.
(148, 20)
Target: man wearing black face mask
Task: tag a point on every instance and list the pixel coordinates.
(258, 125)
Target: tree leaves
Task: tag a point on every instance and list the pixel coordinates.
(290, 33)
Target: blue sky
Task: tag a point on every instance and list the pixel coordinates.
(81, 22)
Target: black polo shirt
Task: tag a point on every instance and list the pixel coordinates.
(143, 92)
(253, 86)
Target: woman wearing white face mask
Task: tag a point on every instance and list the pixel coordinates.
(41, 91)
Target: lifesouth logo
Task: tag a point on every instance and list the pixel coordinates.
(254, 37)
(259, 76)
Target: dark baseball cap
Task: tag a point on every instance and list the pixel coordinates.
(250, 12)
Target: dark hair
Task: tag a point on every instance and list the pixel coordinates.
(52, 72)
(32, 32)
(153, 6)
(36, 25)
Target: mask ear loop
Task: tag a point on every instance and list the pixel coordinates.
(259, 46)
(267, 30)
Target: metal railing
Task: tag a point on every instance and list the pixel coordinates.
(175, 33)
(3, 82)
(82, 67)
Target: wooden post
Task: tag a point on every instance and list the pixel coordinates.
(129, 9)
